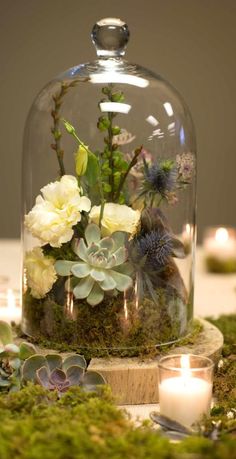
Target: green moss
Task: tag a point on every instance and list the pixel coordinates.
(214, 265)
(107, 329)
(225, 376)
(35, 425)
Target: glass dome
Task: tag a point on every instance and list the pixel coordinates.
(109, 171)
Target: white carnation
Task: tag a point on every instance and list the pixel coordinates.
(116, 217)
(57, 211)
(40, 272)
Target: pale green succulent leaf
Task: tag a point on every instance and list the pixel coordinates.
(125, 268)
(108, 243)
(31, 365)
(120, 255)
(97, 274)
(26, 350)
(74, 375)
(108, 283)
(82, 250)
(15, 363)
(63, 267)
(72, 360)
(80, 270)
(54, 361)
(119, 238)
(123, 282)
(96, 295)
(93, 249)
(5, 333)
(4, 382)
(92, 234)
(111, 262)
(12, 348)
(92, 380)
(83, 288)
(42, 377)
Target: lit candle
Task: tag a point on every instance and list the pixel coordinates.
(10, 311)
(220, 243)
(185, 391)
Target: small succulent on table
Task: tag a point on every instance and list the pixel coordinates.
(101, 265)
(11, 358)
(54, 373)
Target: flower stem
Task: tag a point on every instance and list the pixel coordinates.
(124, 177)
(55, 113)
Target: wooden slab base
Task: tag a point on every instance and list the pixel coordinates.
(134, 381)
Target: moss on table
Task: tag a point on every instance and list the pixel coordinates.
(104, 330)
(35, 424)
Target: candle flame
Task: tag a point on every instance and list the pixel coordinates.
(188, 228)
(221, 235)
(185, 361)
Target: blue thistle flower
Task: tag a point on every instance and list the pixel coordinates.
(157, 246)
(161, 177)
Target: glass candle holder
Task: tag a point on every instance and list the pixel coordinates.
(185, 387)
(220, 249)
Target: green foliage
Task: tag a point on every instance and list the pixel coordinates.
(225, 376)
(11, 358)
(34, 424)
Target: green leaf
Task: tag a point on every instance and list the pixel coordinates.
(81, 270)
(42, 377)
(26, 350)
(96, 295)
(31, 365)
(15, 363)
(123, 282)
(63, 267)
(54, 361)
(92, 233)
(5, 333)
(91, 380)
(74, 359)
(83, 288)
(74, 374)
(12, 348)
(93, 169)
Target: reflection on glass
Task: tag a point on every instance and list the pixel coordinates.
(115, 107)
(115, 77)
(168, 108)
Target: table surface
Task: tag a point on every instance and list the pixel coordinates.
(214, 293)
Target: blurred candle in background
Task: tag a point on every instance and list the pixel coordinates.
(10, 310)
(220, 249)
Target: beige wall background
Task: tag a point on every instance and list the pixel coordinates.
(192, 43)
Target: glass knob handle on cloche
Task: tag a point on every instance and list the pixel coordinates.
(110, 37)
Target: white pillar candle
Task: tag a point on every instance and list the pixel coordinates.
(185, 398)
(10, 311)
(220, 243)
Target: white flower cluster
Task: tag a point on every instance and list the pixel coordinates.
(52, 219)
(40, 272)
(57, 211)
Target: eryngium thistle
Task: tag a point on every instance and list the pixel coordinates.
(161, 177)
(156, 246)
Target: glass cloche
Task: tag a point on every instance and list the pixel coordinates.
(109, 171)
